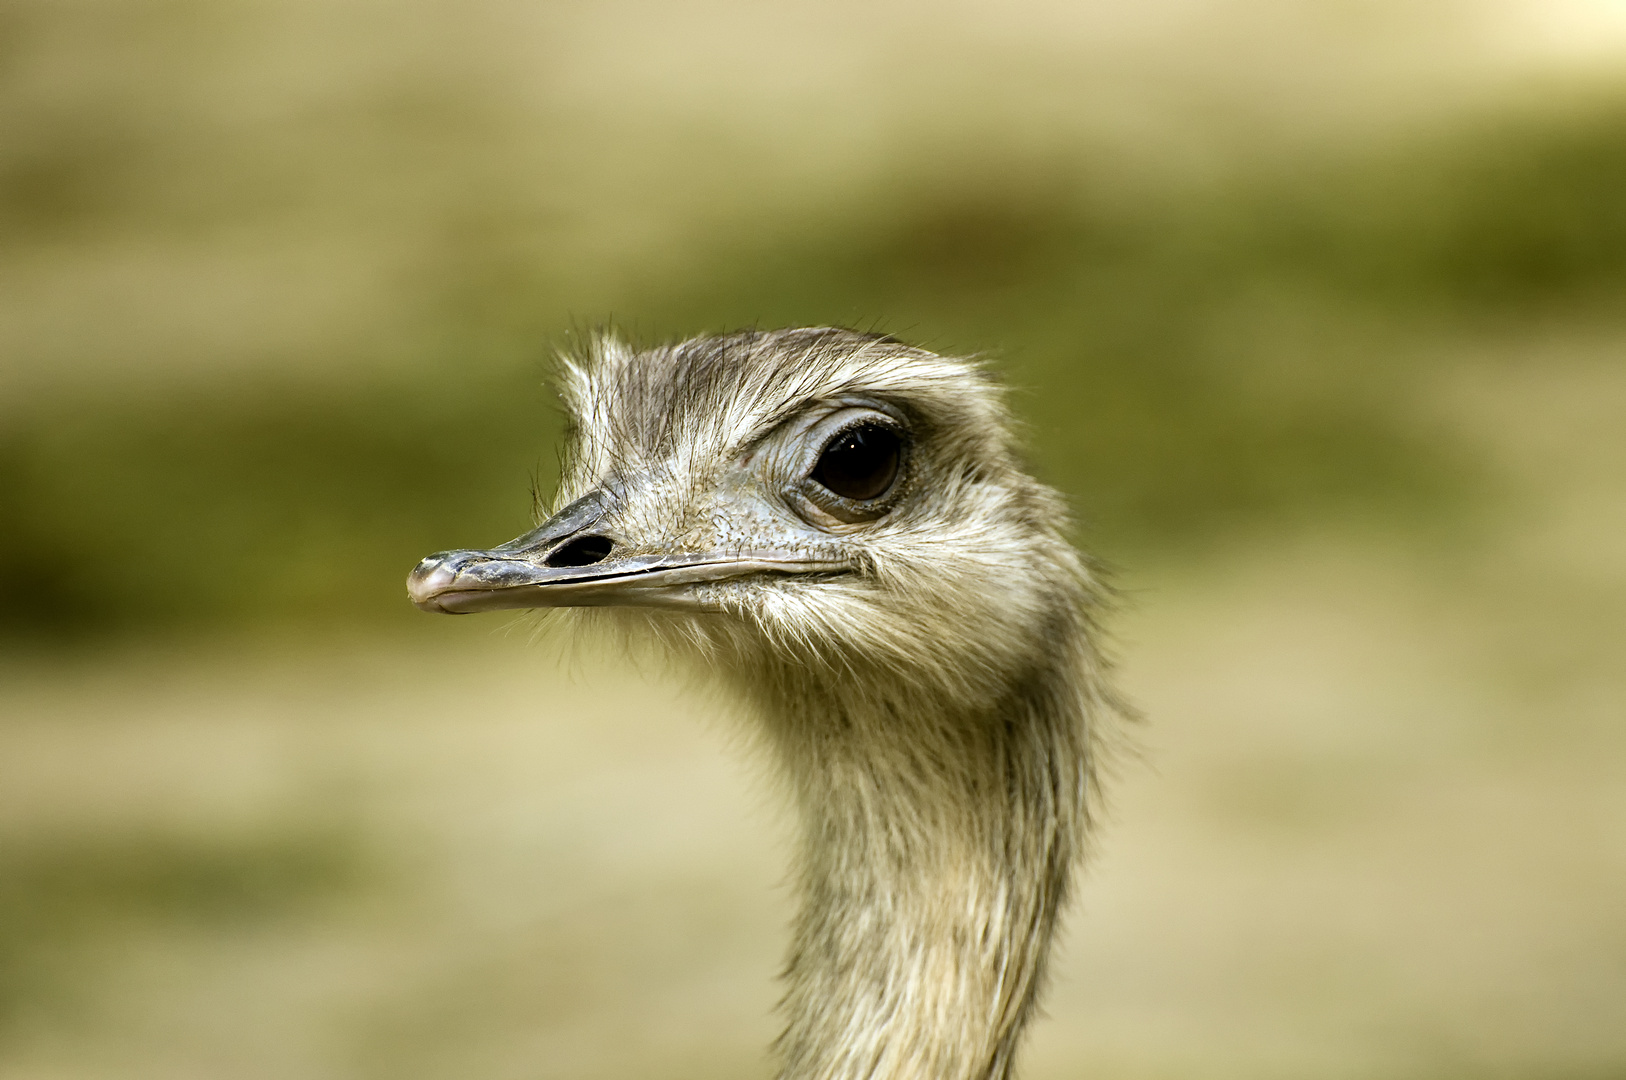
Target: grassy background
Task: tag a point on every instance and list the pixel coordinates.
(1190, 363)
(1317, 318)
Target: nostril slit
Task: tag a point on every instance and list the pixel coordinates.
(582, 551)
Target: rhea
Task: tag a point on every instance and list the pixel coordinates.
(837, 526)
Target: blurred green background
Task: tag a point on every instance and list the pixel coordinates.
(1317, 313)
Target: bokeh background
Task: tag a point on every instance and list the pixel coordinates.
(1317, 312)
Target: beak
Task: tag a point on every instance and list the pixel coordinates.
(568, 562)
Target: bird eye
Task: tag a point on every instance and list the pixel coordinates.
(860, 463)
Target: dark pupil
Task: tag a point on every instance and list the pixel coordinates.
(860, 463)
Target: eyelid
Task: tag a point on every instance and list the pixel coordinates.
(856, 414)
(881, 421)
(787, 417)
(791, 437)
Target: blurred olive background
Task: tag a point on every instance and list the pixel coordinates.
(1316, 312)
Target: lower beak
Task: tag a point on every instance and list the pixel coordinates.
(566, 563)
(459, 582)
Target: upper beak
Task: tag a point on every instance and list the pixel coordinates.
(567, 562)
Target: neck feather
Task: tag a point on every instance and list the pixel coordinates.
(937, 847)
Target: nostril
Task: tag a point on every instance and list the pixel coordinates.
(582, 551)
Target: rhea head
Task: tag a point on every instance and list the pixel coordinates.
(807, 496)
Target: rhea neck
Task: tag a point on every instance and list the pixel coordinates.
(936, 849)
